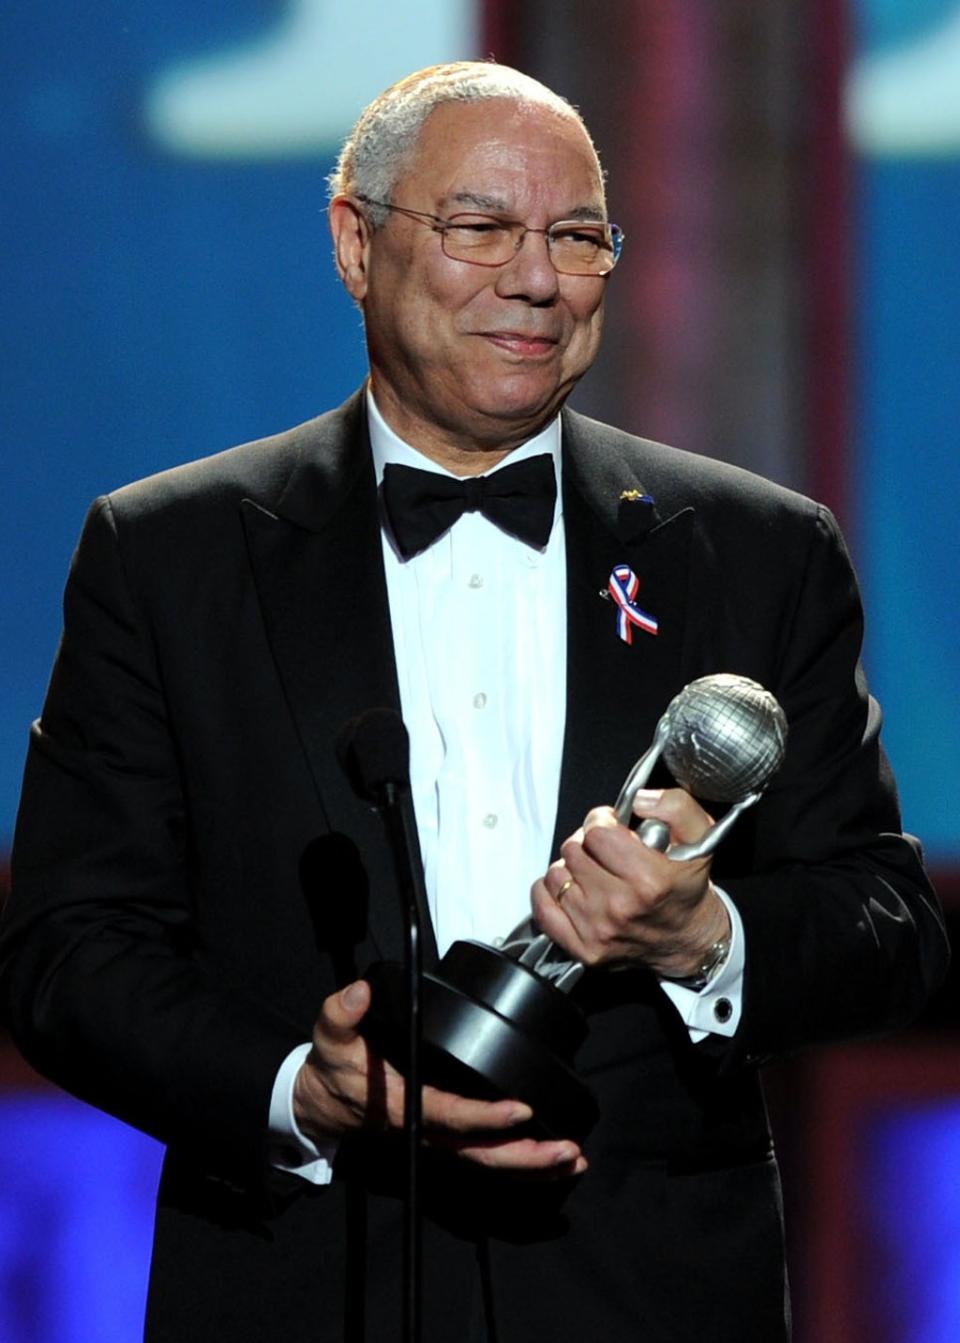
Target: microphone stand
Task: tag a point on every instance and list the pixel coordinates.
(374, 751)
(396, 819)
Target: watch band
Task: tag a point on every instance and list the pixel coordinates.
(714, 959)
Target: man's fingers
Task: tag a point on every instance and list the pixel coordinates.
(687, 820)
(345, 1085)
(478, 1131)
(557, 1158)
(551, 918)
(444, 1111)
(342, 1012)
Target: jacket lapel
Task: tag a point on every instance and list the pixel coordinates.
(316, 558)
(615, 513)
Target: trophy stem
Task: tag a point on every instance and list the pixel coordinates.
(638, 776)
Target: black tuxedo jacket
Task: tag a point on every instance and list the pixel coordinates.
(192, 876)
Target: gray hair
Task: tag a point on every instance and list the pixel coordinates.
(376, 150)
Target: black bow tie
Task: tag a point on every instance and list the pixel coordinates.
(422, 505)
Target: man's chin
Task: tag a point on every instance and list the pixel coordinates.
(510, 425)
(518, 407)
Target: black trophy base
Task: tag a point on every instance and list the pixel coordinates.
(491, 1029)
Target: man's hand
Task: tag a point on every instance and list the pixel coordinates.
(344, 1086)
(610, 900)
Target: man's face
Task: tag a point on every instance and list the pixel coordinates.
(466, 357)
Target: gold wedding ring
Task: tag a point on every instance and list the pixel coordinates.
(563, 889)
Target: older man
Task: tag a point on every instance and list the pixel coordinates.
(197, 888)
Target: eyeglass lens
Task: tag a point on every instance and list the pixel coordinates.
(576, 247)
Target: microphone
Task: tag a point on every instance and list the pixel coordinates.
(374, 752)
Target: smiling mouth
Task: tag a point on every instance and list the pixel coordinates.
(518, 343)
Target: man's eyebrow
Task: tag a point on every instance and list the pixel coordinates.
(481, 202)
(592, 212)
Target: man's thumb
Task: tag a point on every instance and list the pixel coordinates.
(355, 999)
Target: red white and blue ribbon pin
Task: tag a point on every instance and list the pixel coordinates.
(623, 586)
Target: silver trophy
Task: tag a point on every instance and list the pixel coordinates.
(723, 737)
(500, 1022)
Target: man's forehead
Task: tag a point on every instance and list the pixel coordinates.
(463, 144)
(472, 123)
(469, 201)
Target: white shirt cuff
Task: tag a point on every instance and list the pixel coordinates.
(290, 1150)
(716, 1009)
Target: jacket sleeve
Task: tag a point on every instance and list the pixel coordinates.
(102, 978)
(844, 936)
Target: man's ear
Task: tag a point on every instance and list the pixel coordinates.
(351, 244)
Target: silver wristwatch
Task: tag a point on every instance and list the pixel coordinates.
(714, 959)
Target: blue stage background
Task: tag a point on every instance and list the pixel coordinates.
(160, 306)
(907, 467)
(157, 308)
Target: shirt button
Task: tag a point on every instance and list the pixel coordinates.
(497, 942)
(490, 820)
(476, 580)
(480, 700)
(723, 1010)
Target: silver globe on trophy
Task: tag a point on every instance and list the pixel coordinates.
(500, 1022)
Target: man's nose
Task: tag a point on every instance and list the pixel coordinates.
(530, 271)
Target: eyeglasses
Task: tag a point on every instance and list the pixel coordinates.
(576, 246)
